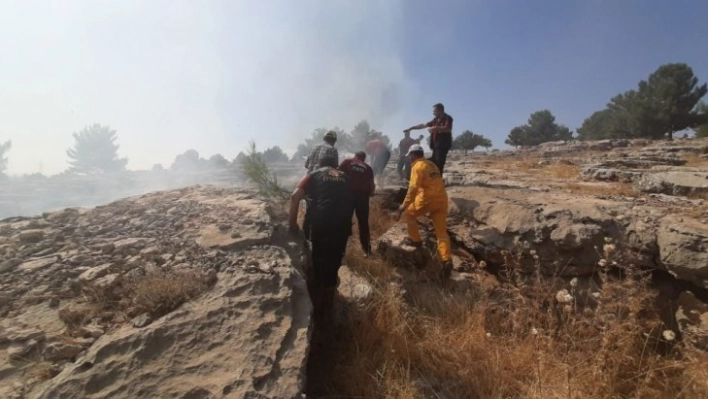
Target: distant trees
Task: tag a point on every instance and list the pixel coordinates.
(240, 158)
(540, 128)
(274, 155)
(468, 141)
(217, 161)
(4, 148)
(188, 160)
(353, 141)
(95, 151)
(665, 103)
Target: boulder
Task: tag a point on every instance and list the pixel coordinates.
(390, 245)
(674, 183)
(61, 351)
(31, 236)
(94, 272)
(564, 234)
(683, 248)
(609, 174)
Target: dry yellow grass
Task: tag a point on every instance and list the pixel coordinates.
(500, 343)
(695, 161)
(534, 166)
(159, 292)
(620, 189)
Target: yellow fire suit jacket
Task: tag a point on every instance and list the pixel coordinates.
(426, 185)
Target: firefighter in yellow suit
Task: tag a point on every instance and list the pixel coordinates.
(427, 195)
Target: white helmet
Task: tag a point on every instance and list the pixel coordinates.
(415, 148)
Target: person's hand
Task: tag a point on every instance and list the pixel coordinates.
(421, 137)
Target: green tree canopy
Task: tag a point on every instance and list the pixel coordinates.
(468, 141)
(4, 148)
(541, 128)
(239, 158)
(95, 151)
(217, 161)
(663, 104)
(274, 155)
(189, 160)
(363, 133)
(354, 141)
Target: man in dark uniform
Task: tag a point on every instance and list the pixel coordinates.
(330, 227)
(440, 129)
(325, 149)
(361, 182)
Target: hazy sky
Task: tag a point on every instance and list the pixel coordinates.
(212, 75)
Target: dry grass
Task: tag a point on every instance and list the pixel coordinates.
(615, 188)
(514, 341)
(695, 161)
(538, 166)
(158, 293)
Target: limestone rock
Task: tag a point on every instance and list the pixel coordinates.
(95, 272)
(20, 350)
(683, 249)
(390, 246)
(21, 335)
(9, 264)
(37, 264)
(31, 236)
(141, 321)
(674, 183)
(245, 332)
(61, 351)
(241, 345)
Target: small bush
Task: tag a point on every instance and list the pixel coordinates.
(159, 292)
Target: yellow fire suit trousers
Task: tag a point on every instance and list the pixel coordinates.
(438, 214)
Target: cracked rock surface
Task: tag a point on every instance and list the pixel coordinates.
(72, 300)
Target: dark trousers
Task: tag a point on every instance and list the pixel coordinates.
(306, 220)
(328, 249)
(404, 167)
(361, 210)
(441, 147)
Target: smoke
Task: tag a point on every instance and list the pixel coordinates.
(210, 76)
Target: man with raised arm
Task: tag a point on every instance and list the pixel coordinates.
(440, 129)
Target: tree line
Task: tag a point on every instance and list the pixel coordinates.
(668, 101)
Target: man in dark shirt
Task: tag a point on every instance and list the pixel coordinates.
(404, 163)
(326, 149)
(440, 129)
(380, 155)
(330, 227)
(361, 182)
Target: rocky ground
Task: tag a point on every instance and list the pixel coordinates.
(199, 292)
(568, 209)
(90, 300)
